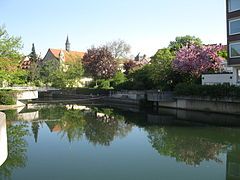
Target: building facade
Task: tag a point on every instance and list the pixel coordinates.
(64, 56)
(233, 37)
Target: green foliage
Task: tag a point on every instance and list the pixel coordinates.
(223, 54)
(161, 66)
(163, 55)
(103, 84)
(119, 78)
(48, 70)
(159, 74)
(10, 73)
(9, 45)
(138, 80)
(73, 73)
(182, 41)
(8, 97)
(211, 91)
(33, 55)
(88, 91)
(61, 75)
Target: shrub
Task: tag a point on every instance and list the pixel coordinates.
(212, 91)
(88, 91)
(8, 97)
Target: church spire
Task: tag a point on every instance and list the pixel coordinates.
(67, 45)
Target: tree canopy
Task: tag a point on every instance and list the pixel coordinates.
(119, 49)
(182, 41)
(9, 45)
(100, 63)
(195, 60)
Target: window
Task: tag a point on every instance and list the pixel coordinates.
(234, 50)
(233, 5)
(234, 26)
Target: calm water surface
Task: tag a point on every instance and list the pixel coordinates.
(71, 142)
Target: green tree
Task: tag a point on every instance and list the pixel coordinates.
(9, 45)
(61, 75)
(182, 41)
(140, 79)
(33, 74)
(10, 71)
(162, 72)
(74, 73)
(119, 78)
(161, 55)
(33, 55)
(48, 71)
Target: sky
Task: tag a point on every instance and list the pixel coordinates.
(147, 25)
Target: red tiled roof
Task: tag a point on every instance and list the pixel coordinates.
(70, 56)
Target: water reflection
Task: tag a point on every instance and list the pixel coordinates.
(233, 163)
(99, 125)
(169, 133)
(17, 157)
(189, 145)
(3, 139)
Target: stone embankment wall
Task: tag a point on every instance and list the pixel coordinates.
(204, 104)
(168, 100)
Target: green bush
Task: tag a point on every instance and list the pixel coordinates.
(103, 84)
(212, 91)
(93, 91)
(8, 97)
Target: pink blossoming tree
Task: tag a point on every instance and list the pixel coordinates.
(195, 60)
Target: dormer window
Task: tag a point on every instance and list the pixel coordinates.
(233, 5)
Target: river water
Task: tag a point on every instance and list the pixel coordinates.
(71, 142)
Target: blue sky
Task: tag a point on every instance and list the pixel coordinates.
(146, 25)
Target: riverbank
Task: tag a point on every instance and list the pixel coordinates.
(169, 100)
(154, 99)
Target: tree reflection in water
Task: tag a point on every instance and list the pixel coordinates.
(17, 148)
(99, 125)
(187, 144)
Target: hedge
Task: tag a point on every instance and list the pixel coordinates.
(211, 91)
(8, 97)
(93, 91)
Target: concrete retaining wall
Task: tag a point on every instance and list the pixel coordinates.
(27, 94)
(132, 95)
(3, 139)
(204, 105)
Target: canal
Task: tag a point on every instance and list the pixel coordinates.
(76, 141)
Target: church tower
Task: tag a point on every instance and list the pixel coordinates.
(67, 45)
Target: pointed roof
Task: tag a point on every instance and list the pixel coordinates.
(70, 56)
(67, 41)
